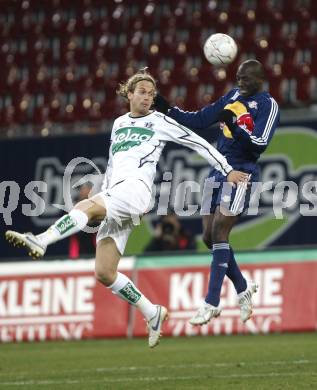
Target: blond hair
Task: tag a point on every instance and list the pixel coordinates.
(130, 84)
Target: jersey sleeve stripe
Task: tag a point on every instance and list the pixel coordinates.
(272, 116)
(271, 119)
(269, 124)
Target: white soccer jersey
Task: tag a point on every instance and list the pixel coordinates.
(137, 144)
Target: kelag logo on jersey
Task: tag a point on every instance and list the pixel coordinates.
(127, 137)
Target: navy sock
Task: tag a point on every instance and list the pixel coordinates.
(219, 267)
(235, 275)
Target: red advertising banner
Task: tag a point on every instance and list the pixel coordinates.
(63, 300)
(286, 300)
(59, 300)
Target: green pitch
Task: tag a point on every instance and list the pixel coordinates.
(287, 361)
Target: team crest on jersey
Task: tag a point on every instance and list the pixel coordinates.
(253, 104)
(148, 125)
(128, 137)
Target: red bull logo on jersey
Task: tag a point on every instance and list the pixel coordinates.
(128, 137)
(226, 132)
(245, 121)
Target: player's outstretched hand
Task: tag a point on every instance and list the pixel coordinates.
(237, 177)
(229, 118)
(161, 104)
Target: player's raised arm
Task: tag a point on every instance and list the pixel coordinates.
(193, 119)
(184, 136)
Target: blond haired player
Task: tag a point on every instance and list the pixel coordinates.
(137, 141)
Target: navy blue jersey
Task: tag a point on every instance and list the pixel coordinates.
(243, 148)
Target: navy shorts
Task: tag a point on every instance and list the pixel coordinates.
(233, 200)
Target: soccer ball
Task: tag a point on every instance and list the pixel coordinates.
(220, 49)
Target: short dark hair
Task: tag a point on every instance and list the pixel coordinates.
(256, 66)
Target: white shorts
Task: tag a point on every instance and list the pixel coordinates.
(125, 203)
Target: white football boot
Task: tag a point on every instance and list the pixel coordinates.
(245, 300)
(154, 326)
(27, 240)
(204, 314)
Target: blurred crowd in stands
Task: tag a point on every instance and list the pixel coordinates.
(62, 60)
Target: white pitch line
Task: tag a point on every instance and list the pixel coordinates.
(178, 366)
(154, 379)
(202, 365)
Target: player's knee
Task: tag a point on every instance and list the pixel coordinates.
(105, 275)
(91, 208)
(86, 207)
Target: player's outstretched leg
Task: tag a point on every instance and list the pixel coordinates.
(155, 324)
(107, 259)
(67, 225)
(27, 240)
(245, 300)
(204, 314)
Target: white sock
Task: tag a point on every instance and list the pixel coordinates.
(126, 289)
(64, 227)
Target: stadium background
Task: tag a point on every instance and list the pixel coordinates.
(61, 63)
